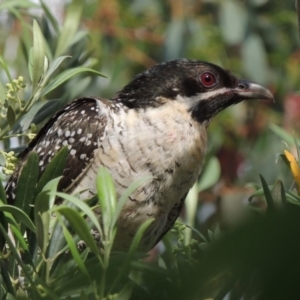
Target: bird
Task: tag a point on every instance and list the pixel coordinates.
(155, 127)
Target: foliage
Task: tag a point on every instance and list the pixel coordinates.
(52, 252)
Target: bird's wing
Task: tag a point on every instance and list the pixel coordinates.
(80, 126)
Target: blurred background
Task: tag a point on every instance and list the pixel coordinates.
(255, 39)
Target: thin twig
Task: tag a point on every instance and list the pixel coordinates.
(298, 14)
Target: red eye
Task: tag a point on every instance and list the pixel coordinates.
(207, 79)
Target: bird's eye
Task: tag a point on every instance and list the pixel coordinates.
(207, 79)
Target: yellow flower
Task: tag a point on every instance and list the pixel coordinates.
(294, 167)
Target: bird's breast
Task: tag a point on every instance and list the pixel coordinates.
(162, 145)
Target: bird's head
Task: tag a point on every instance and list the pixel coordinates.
(205, 88)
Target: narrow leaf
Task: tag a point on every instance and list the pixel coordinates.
(124, 197)
(27, 182)
(281, 133)
(19, 215)
(79, 225)
(66, 75)
(38, 56)
(277, 193)
(2, 93)
(50, 16)
(53, 66)
(70, 26)
(74, 251)
(267, 194)
(11, 116)
(107, 200)
(106, 191)
(82, 206)
(210, 175)
(2, 193)
(42, 219)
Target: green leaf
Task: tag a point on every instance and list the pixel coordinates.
(26, 120)
(42, 219)
(51, 187)
(5, 67)
(54, 169)
(82, 206)
(17, 3)
(19, 215)
(277, 193)
(66, 75)
(19, 235)
(2, 93)
(53, 66)
(190, 204)
(210, 174)
(267, 194)
(27, 182)
(79, 225)
(38, 58)
(107, 199)
(10, 116)
(132, 250)
(281, 133)
(70, 26)
(50, 16)
(124, 197)
(74, 251)
(2, 193)
(125, 293)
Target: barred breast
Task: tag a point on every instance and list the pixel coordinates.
(164, 144)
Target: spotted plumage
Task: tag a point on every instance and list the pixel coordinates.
(154, 128)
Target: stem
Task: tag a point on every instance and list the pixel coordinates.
(298, 14)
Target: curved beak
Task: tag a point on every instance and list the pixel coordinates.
(251, 90)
